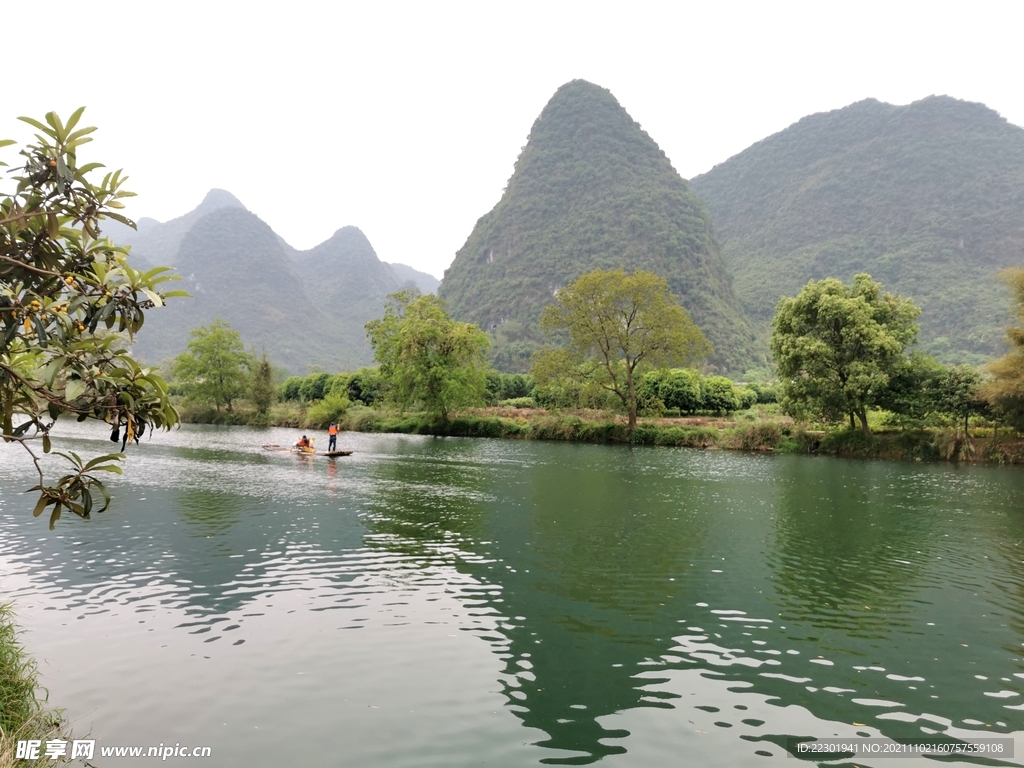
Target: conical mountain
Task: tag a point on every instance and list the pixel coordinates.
(928, 198)
(592, 190)
(236, 269)
(157, 242)
(349, 284)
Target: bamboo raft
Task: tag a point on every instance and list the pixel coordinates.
(302, 451)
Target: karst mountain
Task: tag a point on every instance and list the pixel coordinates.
(928, 198)
(306, 308)
(592, 190)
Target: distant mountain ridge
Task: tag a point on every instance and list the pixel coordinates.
(592, 190)
(928, 198)
(306, 308)
(424, 282)
(159, 241)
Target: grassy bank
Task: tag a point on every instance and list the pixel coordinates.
(752, 431)
(23, 715)
(280, 415)
(764, 433)
(757, 434)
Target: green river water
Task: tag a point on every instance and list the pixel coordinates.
(457, 602)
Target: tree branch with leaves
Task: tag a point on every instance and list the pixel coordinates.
(70, 305)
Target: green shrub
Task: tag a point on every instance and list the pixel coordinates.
(677, 436)
(313, 387)
(766, 394)
(366, 386)
(718, 395)
(753, 437)
(290, 388)
(746, 396)
(677, 389)
(327, 411)
(681, 388)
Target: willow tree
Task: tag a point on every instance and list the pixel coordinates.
(69, 306)
(617, 326)
(1005, 390)
(837, 346)
(426, 358)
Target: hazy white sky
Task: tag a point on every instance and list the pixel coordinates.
(405, 119)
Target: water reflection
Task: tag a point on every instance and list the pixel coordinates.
(573, 560)
(210, 513)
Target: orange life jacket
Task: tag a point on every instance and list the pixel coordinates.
(332, 430)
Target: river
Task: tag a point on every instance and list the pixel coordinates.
(456, 602)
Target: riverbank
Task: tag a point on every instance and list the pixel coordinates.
(23, 715)
(766, 432)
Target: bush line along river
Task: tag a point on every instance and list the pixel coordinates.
(456, 601)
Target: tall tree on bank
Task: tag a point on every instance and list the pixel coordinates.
(426, 358)
(1005, 391)
(262, 390)
(215, 367)
(836, 346)
(69, 308)
(617, 326)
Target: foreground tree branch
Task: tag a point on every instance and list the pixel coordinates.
(70, 305)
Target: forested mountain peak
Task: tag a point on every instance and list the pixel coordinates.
(155, 242)
(925, 197)
(346, 266)
(591, 190)
(348, 243)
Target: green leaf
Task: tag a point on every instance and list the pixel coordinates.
(74, 389)
(55, 515)
(36, 124)
(73, 120)
(88, 168)
(105, 492)
(153, 296)
(118, 217)
(100, 459)
(52, 369)
(108, 468)
(40, 506)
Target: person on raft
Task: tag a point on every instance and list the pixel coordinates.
(303, 442)
(332, 437)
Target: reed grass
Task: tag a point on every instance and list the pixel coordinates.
(24, 714)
